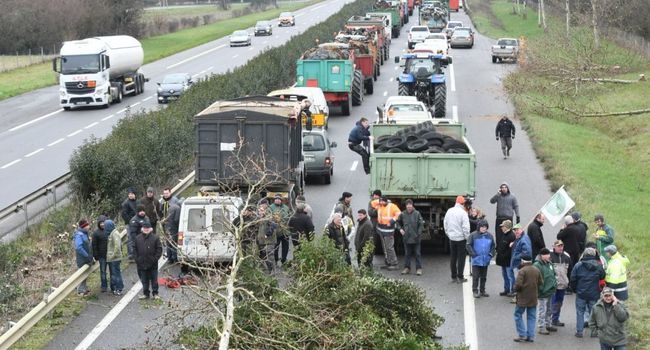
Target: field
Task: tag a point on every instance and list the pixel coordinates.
(602, 160)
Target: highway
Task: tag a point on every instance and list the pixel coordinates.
(474, 94)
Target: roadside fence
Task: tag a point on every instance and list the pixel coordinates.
(28, 57)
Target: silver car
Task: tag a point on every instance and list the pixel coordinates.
(173, 86)
(240, 38)
(317, 151)
(462, 37)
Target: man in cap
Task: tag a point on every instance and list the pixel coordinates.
(520, 247)
(481, 248)
(584, 281)
(344, 207)
(616, 273)
(604, 234)
(148, 251)
(387, 215)
(456, 224)
(129, 206)
(135, 227)
(280, 215)
(561, 262)
(608, 320)
(505, 236)
(526, 286)
(82, 252)
(507, 204)
(546, 290)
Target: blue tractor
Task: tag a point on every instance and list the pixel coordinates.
(423, 76)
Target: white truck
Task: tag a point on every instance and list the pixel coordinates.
(99, 71)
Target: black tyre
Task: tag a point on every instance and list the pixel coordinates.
(395, 142)
(430, 135)
(142, 83)
(327, 179)
(357, 88)
(417, 145)
(494, 59)
(402, 90)
(345, 108)
(440, 100)
(119, 93)
(382, 139)
(395, 150)
(386, 53)
(434, 149)
(370, 88)
(382, 54)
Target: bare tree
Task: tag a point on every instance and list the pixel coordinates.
(595, 22)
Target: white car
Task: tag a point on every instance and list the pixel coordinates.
(417, 34)
(437, 45)
(451, 25)
(403, 110)
(240, 38)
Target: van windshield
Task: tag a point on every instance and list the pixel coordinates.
(313, 142)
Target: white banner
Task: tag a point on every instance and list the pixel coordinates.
(557, 207)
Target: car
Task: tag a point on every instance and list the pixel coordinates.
(461, 38)
(403, 109)
(319, 110)
(505, 48)
(173, 86)
(317, 152)
(417, 34)
(263, 28)
(438, 43)
(286, 19)
(240, 38)
(451, 25)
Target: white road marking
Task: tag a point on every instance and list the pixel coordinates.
(201, 72)
(469, 312)
(135, 104)
(396, 67)
(385, 93)
(11, 163)
(55, 142)
(298, 15)
(454, 113)
(111, 315)
(195, 56)
(354, 165)
(452, 78)
(391, 80)
(147, 99)
(265, 42)
(317, 7)
(35, 120)
(195, 75)
(250, 48)
(121, 111)
(75, 133)
(91, 125)
(111, 116)
(210, 68)
(235, 56)
(33, 153)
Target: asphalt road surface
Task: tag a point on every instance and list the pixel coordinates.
(474, 91)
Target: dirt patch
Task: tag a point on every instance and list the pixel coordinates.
(484, 7)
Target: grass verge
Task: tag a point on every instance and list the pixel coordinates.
(19, 81)
(604, 162)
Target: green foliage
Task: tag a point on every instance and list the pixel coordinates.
(10, 257)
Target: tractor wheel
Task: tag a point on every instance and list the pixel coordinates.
(494, 59)
(381, 56)
(357, 88)
(386, 53)
(345, 108)
(440, 100)
(370, 88)
(402, 90)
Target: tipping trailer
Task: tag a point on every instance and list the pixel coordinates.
(375, 27)
(99, 71)
(396, 14)
(330, 66)
(250, 128)
(435, 18)
(435, 163)
(365, 57)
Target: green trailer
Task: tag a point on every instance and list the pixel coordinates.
(431, 180)
(396, 14)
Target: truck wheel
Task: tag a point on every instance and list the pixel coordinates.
(119, 93)
(395, 33)
(357, 88)
(381, 56)
(494, 59)
(345, 107)
(327, 178)
(386, 53)
(402, 90)
(66, 108)
(440, 100)
(370, 88)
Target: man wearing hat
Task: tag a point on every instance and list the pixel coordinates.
(148, 251)
(584, 280)
(456, 225)
(546, 290)
(83, 253)
(135, 227)
(505, 236)
(608, 320)
(387, 215)
(616, 273)
(280, 215)
(343, 206)
(527, 284)
(561, 263)
(520, 247)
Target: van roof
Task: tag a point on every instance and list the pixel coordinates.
(217, 200)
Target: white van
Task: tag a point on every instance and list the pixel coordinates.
(319, 109)
(205, 234)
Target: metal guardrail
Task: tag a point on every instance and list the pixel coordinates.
(17, 217)
(58, 294)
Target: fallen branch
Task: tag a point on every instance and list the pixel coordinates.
(613, 114)
(605, 80)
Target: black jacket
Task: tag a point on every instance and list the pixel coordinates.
(300, 224)
(100, 244)
(135, 224)
(128, 210)
(364, 235)
(148, 250)
(582, 235)
(536, 237)
(151, 208)
(337, 234)
(505, 128)
(570, 236)
(504, 252)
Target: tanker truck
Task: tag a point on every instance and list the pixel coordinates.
(99, 71)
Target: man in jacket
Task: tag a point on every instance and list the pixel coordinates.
(583, 229)
(507, 204)
(387, 215)
(546, 290)
(114, 256)
(456, 224)
(266, 237)
(584, 281)
(526, 286)
(170, 224)
(148, 251)
(280, 214)
(561, 262)
(129, 206)
(534, 231)
(344, 207)
(616, 273)
(360, 135)
(100, 245)
(505, 131)
(336, 232)
(604, 234)
(362, 238)
(520, 247)
(308, 210)
(151, 207)
(83, 252)
(300, 226)
(135, 227)
(608, 320)
(410, 224)
(505, 236)
(481, 248)
(570, 235)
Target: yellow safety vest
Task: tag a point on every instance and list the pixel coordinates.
(617, 269)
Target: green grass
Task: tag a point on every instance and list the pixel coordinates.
(603, 162)
(37, 76)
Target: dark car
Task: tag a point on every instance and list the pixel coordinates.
(317, 150)
(263, 28)
(173, 86)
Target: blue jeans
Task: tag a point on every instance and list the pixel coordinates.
(608, 347)
(102, 273)
(507, 287)
(583, 309)
(410, 251)
(116, 276)
(512, 275)
(556, 304)
(528, 330)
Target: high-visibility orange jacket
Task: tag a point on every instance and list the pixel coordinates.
(385, 214)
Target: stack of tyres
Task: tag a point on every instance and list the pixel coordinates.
(419, 138)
